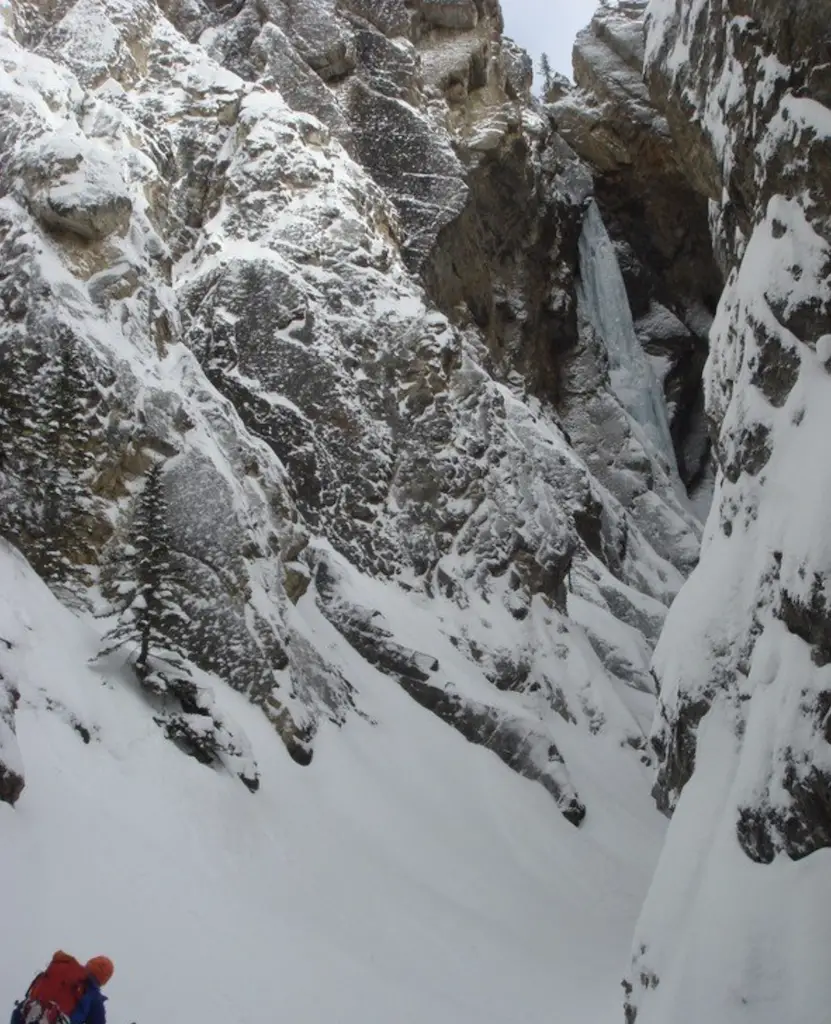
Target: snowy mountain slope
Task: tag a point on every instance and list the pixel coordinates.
(233, 267)
(424, 384)
(735, 928)
(403, 875)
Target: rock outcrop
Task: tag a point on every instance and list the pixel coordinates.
(11, 769)
(742, 735)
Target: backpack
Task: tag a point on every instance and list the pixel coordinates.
(56, 992)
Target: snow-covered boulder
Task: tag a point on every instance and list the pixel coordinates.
(74, 185)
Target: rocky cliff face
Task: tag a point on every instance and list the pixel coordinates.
(743, 728)
(333, 266)
(658, 221)
(420, 358)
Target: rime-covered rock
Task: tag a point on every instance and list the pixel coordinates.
(388, 66)
(317, 34)
(412, 162)
(392, 17)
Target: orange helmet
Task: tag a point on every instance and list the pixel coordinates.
(101, 968)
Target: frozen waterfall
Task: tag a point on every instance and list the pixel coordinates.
(603, 295)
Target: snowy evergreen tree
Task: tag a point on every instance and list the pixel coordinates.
(67, 432)
(149, 614)
(47, 434)
(13, 405)
(545, 71)
(21, 453)
(68, 428)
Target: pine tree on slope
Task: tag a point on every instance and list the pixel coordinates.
(149, 614)
(19, 448)
(67, 440)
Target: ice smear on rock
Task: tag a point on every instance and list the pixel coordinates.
(604, 294)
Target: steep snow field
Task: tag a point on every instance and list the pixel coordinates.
(733, 942)
(404, 876)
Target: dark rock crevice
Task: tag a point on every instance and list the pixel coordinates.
(674, 742)
(12, 781)
(803, 828)
(809, 619)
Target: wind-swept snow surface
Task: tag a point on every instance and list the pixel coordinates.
(404, 876)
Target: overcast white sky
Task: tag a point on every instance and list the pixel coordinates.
(549, 26)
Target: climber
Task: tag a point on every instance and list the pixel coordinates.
(67, 992)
